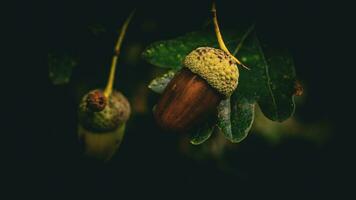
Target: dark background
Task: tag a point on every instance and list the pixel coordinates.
(46, 157)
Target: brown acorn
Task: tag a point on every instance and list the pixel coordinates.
(208, 76)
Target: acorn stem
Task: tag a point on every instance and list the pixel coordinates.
(110, 83)
(220, 38)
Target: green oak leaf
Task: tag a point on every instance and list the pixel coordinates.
(270, 82)
(278, 103)
(235, 118)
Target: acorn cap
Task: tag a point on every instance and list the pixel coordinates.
(103, 116)
(216, 67)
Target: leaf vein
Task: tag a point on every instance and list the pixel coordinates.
(269, 82)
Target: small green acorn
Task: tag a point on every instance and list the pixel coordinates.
(102, 122)
(102, 114)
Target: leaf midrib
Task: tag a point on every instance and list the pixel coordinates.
(269, 82)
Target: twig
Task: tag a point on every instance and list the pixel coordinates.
(110, 83)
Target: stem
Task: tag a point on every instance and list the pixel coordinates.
(220, 38)
(110, 83)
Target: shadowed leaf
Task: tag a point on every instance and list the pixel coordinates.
(202, 133)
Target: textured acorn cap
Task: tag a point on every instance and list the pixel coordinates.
(116, 112)
(216, 67)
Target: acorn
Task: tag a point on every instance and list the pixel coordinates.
(208, 76)
(102, 114)
(102, 122)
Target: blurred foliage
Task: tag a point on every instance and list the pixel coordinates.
(276, 132)
(60, 68)
(270, 82)
(271, 132)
